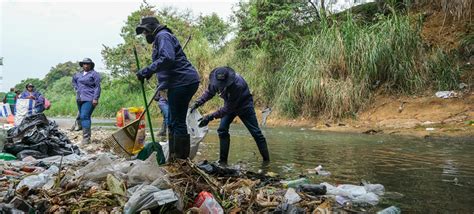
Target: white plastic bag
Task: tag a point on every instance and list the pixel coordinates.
(291, 196)
(99, 169)
(196, 133)
(145, 171)
(40, 180)
(24, 107)
(5, 110)
(148, 197)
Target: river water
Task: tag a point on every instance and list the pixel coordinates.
(433, 175)
(420, 175)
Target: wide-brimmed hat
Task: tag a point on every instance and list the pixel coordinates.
(87, 61)
(222, 77)
(148, 23)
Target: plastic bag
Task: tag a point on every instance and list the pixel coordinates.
(291, 196)
(24, 107)
(196, 133)
(369, 198)
(40, 180)
(145, 171)
(148, 197)
(5, 110)
(99, 169)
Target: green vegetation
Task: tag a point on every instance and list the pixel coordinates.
(295, 58)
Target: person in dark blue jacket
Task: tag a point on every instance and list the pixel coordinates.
(176, 75)
(237, 102)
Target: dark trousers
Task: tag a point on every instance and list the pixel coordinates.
(85, 111)
(178, 101)
(249, 119)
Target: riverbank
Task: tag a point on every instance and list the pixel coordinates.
(422, 116)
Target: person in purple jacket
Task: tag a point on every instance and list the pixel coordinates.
(237, 102)
(86, 83)
(176, 75)
(31, 93)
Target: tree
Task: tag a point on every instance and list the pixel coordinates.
(66, 69)
(39, 84)
(214, 29)
(268, 24)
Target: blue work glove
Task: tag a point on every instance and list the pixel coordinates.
(205, 120)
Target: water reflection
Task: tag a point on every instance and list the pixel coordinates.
(419, 175)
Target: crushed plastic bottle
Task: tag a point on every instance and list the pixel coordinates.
(208, 204)
(296, 183)
(313, 189)
(390, 210)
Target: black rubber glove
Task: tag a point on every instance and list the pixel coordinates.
(205, 120)
(140, 77)
(194, 107)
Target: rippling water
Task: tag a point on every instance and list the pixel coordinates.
(420, 175)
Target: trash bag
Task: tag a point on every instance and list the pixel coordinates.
(196, 133)
(37, 133)
(99, 169)
(219, 171)
(40, 180)
(29, 152)
(145, 171)
(291, 196)
(149, 197)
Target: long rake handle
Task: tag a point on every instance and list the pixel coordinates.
(144, 97)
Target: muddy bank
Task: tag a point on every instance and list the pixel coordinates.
(421, 116)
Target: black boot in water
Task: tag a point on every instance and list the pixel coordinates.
(171, 147)
(224, 149)
(182, 146)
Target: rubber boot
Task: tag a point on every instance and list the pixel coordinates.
(224, 150)
(171, 147)
(86, 136)
(262, 148)
(182, 146)
(79, 125)
(162, 131)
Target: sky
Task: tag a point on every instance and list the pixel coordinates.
(37, 35)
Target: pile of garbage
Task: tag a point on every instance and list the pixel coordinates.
(38, 137)
(108, 184)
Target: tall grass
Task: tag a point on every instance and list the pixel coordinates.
(338, 70)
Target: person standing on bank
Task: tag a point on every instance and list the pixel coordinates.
(237, 102)
(32, 94)
(10, 99)
(176, 75)
(86, 83)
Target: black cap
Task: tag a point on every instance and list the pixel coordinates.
(87, 61)
(148, 23)
(222, 77)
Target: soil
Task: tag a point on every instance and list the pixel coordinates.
(422, 116)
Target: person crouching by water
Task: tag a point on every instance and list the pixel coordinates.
(87, 86)
(237, 102)
(32, 94)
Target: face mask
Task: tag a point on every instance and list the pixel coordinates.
(150, 39)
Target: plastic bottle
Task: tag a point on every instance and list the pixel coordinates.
(390, 210)
(296, 183)
(313, 189)
(211, 206)
(208, 204)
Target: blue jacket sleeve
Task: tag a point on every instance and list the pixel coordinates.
(97, 88)
(164, 50)
(74, 82)
(208, 94)
(231, 103)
